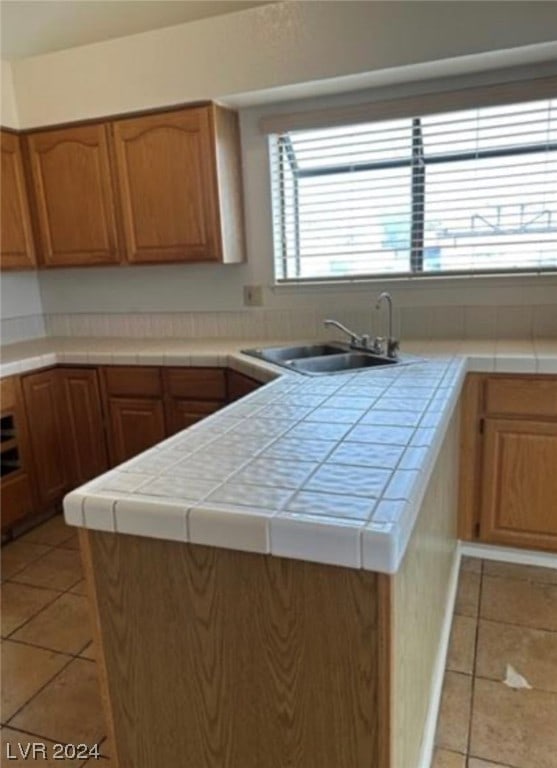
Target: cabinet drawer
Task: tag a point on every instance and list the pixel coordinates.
(196, 383)
(17, 501)
(133, 381)
(518, 396)
(8, 393)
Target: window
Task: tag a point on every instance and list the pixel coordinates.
(469, 191)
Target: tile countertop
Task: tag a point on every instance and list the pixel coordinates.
(328, 469)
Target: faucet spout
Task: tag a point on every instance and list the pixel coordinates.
(354, 338)
(392, 343)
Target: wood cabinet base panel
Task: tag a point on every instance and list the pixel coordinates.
(205, 669)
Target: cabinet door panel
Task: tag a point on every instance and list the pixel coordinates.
(135, 425)
(74, 196)
(47, 435)
(519, 484)
(167, 184)
(183, 413)
(17, 249)
(240, 385)
(86, 442)
(17, 500)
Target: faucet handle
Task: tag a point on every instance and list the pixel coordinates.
(379, 345)
(393, 345)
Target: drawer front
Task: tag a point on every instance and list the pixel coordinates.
(17, 501)
(517, 396)
(8, 392)
(196, 383)
(133, 381)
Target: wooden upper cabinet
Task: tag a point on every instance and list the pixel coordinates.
(16, 237)
(180, 186)
(73, 191)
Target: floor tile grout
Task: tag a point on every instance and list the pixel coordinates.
(41, 688)
(508, 623)
(474, 662)
(44, 607)
(52, 650)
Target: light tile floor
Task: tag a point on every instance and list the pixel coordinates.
(504, 615)
(50, 690)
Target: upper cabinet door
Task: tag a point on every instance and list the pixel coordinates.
(16, 238)
(74, 195)
(168, 187)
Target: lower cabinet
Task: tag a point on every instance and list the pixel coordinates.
(519, 483)
(191, 394)
(508, 479)
(84, 423)
(16, 486)
(133, 406)
(47, 431)
(83, 420)
(134, 424)
(239, 385)
(67, 440)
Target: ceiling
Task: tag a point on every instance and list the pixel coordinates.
(31, 27)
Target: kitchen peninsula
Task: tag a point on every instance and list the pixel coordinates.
(271, 586)
(269, 592)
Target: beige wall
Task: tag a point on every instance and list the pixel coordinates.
(420, 596)
(8, 107)
(273, 46)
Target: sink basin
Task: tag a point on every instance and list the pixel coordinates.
(339, 362)
(282, 354)
(322, 359)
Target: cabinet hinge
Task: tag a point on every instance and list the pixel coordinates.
(482, 423)
(476, 530)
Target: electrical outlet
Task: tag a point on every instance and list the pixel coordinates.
(253, 295)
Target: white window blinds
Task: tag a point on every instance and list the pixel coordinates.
(464, 192)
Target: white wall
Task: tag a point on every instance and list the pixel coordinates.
(21, 307)
(8, 107)
(268, 47)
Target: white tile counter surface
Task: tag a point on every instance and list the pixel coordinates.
(329, 469)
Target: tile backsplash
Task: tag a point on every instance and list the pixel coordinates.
(441, 322)
(22, 328)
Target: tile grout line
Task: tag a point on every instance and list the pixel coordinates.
(76, 655)
(71, 657)
(60, 594)
(473, 680)
(39, 690)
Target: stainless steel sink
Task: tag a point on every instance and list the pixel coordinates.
(283, 354)
(340, 362)
(322, 359)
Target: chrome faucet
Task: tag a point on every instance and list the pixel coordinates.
(356, 341)
(392, 343)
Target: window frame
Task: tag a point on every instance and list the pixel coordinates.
(279, 125)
